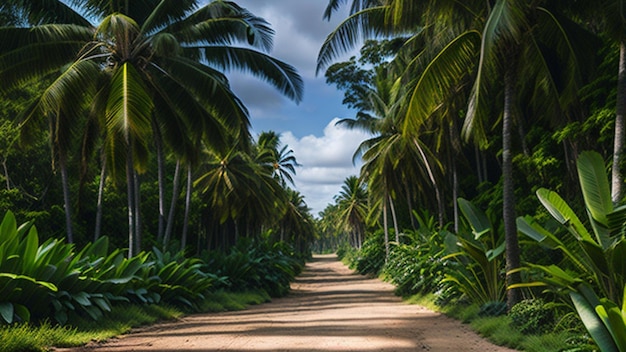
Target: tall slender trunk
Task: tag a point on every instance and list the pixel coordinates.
(479, 166)
(433, 180)
(158, 143)
(130, 193)
(66, 198)
(455, 195)
(409, 203)
(620, 113)
(103, 173)
(183, 239)
(386, 229)
(508, 201)
(6, 173)
(170, 215)
(395, 219)
(137, 197)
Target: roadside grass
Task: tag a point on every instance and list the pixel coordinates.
(501, 331)
(121, 320)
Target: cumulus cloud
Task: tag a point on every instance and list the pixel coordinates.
(326, 162)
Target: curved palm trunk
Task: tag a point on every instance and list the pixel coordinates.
(98, 226)
(183, 240)
(395, 219)
(434, 182)
(170, 215)
(66, 199)
(386, 229)
(508, 211)
(620, 113)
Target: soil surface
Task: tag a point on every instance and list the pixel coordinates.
(330, 308)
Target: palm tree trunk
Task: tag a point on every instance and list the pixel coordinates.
(620, 113)
(6, 173)
(395, 219)
(183, 240)
(386, 229)
(409, 203)
(137, 197)
(508, 208)
(433, 180)
(130, 193)
(170, 215)
(98, 227)
(455, 195)
(158, 143)
(66, 198)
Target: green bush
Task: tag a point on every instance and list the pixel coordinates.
(371, 257)
(417, 267)
(532, 316)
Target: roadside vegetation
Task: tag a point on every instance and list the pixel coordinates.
(492, 186)
(493, 181)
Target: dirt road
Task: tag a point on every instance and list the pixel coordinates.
(330, 309)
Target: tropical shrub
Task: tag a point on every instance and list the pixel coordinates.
(605, 320)
(532, 316)
(370, 258)
(252, 265)
(594, 262)
(416, 265)
(479, 259)
(597, 258)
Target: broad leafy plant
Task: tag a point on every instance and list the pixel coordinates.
(595, 258)
(416, 265)
(480, 258)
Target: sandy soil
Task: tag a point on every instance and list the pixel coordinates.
(330, 309)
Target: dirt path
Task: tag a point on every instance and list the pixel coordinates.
(330, 309)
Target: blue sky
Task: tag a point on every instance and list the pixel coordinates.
(324, 149)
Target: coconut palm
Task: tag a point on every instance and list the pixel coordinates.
(148, 63)
(510, 50)
(279, 159)
(352, 209)
(240, 191)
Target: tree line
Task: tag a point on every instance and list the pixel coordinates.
(130, 104)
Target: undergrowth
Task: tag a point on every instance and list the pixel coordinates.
(501, 331)
(38, 338)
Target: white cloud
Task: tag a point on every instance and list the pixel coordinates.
(326, 162)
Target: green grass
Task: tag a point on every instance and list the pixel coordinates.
(500, 331)
(39, 338)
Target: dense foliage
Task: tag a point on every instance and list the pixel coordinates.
(51, 280)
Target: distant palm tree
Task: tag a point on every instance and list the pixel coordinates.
(352, 209)
(279, 159)
(147, 63)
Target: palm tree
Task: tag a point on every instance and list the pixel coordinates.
(510, 49)
(279, 160)
(352, 209)
(152, 62)
(240, 191)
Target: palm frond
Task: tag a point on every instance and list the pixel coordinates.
(209, 89)
(167, 12)
(438, 79)
(49, 11)
(223, 22)
(279, 74)
(27, 54)
(129, 107)
(368, 23)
